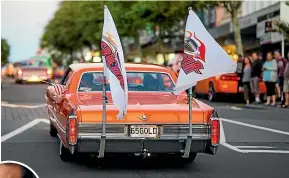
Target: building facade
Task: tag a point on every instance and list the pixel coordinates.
(252, 18)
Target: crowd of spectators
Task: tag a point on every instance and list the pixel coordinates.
(253, 69)
(274, 71)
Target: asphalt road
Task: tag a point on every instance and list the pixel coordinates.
(255, 143)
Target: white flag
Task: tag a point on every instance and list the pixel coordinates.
(113, 62)
(203, 56)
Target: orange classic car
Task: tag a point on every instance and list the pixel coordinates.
(226, 84)
(157, 122)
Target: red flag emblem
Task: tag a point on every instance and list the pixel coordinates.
(194, 54)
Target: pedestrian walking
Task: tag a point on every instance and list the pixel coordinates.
(256, 71)
(270, 76)
(246, 79)
(286, 84)
(281, 62)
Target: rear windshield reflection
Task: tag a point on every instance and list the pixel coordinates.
(137, 81)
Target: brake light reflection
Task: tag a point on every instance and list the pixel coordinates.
(20, 72)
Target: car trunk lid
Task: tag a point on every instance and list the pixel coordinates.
(143, 108)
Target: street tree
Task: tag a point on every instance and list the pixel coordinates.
(77, 25)
(5, 51)
(233, 8)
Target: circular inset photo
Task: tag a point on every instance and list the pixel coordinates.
(14, 169)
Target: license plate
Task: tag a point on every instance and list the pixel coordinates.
(149, 131)
(34, 78)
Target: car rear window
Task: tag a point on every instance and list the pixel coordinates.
(137, 81)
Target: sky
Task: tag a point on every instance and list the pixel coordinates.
(22, 24)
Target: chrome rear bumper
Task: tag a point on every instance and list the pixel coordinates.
(170, 139)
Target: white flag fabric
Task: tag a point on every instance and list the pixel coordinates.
(203, 56)
(113, 62)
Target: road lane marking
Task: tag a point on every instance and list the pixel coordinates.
(235, 108)
(255, 147)
(23, 128)
(267, 151)
(255, 126)
(231, 147)
(6, 104)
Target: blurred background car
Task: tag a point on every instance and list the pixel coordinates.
(8, 69)
(36, 69)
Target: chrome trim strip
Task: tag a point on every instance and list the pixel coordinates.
(163, 129)
(114, 137)
(57, 122)
(144, 123)
(179, 133)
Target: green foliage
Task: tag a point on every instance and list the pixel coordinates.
(5, 51)
(283, 27)
(231, 5)
(78, 24)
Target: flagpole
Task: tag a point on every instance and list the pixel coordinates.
(190, 110)
(189, 138)
(103, 135)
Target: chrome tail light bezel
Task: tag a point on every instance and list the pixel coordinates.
(71, 116)
(214, 117)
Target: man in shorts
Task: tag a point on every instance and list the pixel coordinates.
(256, 72)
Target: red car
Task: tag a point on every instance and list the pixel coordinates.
(33, 73)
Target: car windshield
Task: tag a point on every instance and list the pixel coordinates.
(34, 63)
(137, 81)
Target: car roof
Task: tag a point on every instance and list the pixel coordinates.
(99, 66)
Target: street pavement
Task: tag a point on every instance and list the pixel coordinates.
(255, 143)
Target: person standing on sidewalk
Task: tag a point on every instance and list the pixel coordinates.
(270, 77)
(255, 76)
(286, 85)
(281, 62)
(246, 79)
(239, 70)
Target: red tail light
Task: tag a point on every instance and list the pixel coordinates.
(72, 130)
(232, 78)
(215, 131)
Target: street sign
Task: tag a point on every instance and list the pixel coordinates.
(268, 26)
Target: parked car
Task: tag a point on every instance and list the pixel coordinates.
(227, 84)
(156, 122)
